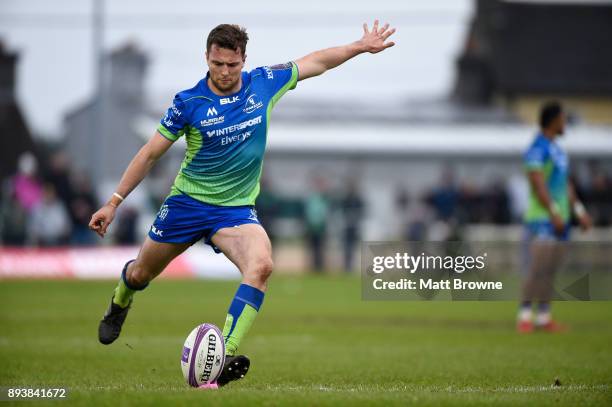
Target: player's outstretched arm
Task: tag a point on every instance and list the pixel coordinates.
(138, 168)
(374, 41)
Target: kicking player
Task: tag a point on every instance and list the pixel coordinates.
(224, 119)
(547, 220)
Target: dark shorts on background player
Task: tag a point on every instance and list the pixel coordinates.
(182, 219)
(539, 231)
(544, 230)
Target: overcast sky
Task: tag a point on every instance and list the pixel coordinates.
(55, 71)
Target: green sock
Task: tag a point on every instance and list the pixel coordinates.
(233, 337)
(240, 317)
(123, 294)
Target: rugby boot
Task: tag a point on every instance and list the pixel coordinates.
(110, 326)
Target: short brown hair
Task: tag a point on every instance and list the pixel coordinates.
(230, 36)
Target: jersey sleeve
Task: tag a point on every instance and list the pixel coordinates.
(534, 158)
(280, 79)
(174, 123)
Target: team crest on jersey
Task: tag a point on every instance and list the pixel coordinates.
(253, 215)
(252, 103)
(163, 212)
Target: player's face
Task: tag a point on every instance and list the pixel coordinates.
(561, 123)
(225, 67)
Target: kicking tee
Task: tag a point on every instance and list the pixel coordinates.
(225, 135)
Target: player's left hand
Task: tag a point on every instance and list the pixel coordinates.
(585, 222)
(376, 40)
(101, 220)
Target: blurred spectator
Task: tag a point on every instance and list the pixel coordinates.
(58, 174)
(495, 204)
(402, 200)
(25, 185)
(49, 224)
(316, 209)
(126, 226)
(415, 216)
(518, 193)
(445, 197)
(598, 197)
(20, 195)
(418, 221)
(268, 209)
(352, 210)
(13, 218)
(82, 205)
(469, 201)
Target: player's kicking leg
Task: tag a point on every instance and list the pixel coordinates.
(249, 248)
(151, 261)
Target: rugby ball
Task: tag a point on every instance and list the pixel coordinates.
(203, 355)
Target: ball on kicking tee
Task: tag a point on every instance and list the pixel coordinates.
(203, 355)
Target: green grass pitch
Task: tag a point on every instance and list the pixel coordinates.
(315, 343)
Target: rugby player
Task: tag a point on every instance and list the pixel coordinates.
(224, 119)
(551, 201)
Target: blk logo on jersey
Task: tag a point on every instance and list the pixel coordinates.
(252, 104)
(225, 101)
(157, 232)
(211, 112)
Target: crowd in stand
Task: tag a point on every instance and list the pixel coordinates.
(50, 204)
(47, 205)
(456, 203)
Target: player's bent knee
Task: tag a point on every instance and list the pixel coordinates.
(266, 269)
(261, 270)
(138, 275)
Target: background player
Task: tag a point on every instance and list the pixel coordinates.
(551, 199)
(224, 119)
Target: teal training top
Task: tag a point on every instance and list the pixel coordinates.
(549, 158)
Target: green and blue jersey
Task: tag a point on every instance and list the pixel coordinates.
(226, 135)
(548, 157)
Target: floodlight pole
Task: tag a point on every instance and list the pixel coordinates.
(97, 134)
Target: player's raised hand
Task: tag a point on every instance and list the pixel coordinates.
(102, 219)
(375, 40)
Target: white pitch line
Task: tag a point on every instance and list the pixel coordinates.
(435, 389)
